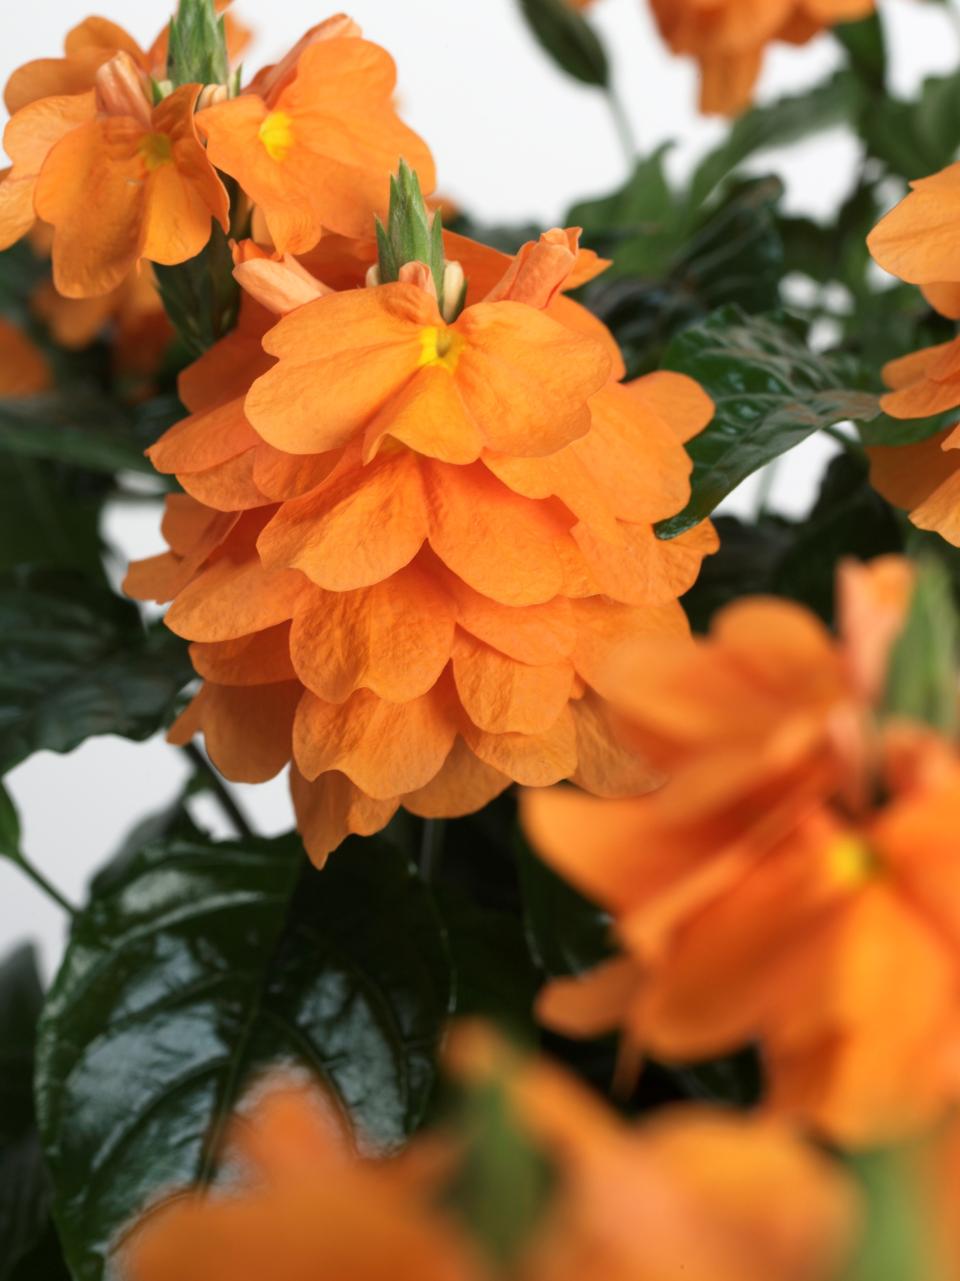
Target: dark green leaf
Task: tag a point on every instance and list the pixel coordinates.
(836, 101)
(922, 676)
(47, 517)
(201, 968)
(918, 138)
(569, 39)
(641, 216)
(495, 977)
(84, 431)
(866, 48)
(567, 933)
(75, 661)
(9, 825)
(200, 296)
(24, 1190)
(884, 430)
(770, 391)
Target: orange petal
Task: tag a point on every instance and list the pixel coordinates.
(536, 760)
(204, 439)
(643, 569)
(331, 808)
(916, 240)
(393, 638)
(529, 633)
(248, 729)
(678, 400)
(384, 748)
(540, 269)
(501, 695)
(231, 600)
(591, 1004)
(356, 530)
(259, 659)
(605, 767)
(613, 640)
(463, 785)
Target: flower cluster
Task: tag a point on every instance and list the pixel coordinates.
(414, 537)
(792, 885)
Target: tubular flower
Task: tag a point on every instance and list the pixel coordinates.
(119, 180)
(313, 140)
(23, 367)
(414, 544)
(915, 242)
(728, 38)
(795, 882)
(715, 1197)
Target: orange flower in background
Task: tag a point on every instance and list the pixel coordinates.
(916, 241)
(415, 544)
(117, 179)
(699, 1193)
(794, 884)
(314, 139)
(728, 38)
(23, 367)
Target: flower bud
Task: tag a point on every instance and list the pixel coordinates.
(121, 89)
(198, 45)
(454, 291)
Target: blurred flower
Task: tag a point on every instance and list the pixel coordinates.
(711, 1196)
(313, 140)
(23, 366)
(794, 884)
(728, 38)
(416, 544)
(916, 241)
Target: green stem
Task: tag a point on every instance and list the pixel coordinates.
(621, 120)
(431, 846)
(215, 784)
(40, 881)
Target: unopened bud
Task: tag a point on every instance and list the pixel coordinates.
(210, 95)
(454, 291)
(372, 278)
(121, 89)
(197, 47)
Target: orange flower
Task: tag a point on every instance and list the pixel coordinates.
(117, 179)
(415, 544)
(23, 367)
(313, 140)
(916, 241)
(728, 38)
(766, 894)
(694, 1192)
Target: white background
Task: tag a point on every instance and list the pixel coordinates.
(515, 140)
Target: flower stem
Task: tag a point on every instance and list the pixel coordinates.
(431, 847)
(40, 881)
(214, 783)
(621, 120)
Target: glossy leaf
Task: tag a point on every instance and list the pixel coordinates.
(770, 391)
(203, 966)
(76, 661)
(569, 39)
(24, 1188)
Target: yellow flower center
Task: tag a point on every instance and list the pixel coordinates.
(276, 134)
(440, 347)
(156, 149)
(851, 861)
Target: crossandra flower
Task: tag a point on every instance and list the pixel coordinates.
(313, 140)
(728, 38)
(410, 545)
(694, 1192)
(793, 885)
(916, 242)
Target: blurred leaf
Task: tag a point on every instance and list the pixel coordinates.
(836, 101)
(569, 39)
(200, 296)
(922, 676)
(9, 826)
(920, 137)
(744, 566)
(770, 391)
(94, 433)
(640, 218)
(866, 48)
(204, 966)
(20, 273)
(884, 430)
(896, 1243)
(504, 1182)
(567, 933)
(24, 1188)
(48, 517)
(495, 978)
(75, 661)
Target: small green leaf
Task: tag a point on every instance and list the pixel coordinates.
(203, 966)
(837, 101)
(201, 296)
(567, 933)
(922, 677)
(866, 48)
(197, 48)
(569, 39)
(770, 391)
(75, 661)
(412, 233)
(24, 1188)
